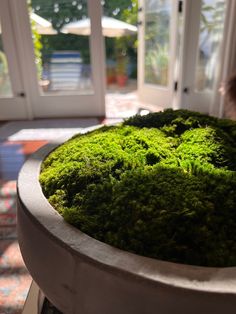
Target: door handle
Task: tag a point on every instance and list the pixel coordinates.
(186, 90)
(21, 94)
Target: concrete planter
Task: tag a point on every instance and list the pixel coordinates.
(81, 275)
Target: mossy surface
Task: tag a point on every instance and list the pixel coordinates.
(161, 185)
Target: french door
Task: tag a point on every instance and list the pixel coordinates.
(157, 51)
(203, 54)
(181, 52)
(13, 103)
(64, 83)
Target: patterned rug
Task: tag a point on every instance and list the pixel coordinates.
(14, 278)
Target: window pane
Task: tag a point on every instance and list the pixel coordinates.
(120, 45)
(157, 41)
(5, 85)
(211, 32)
(60, 31)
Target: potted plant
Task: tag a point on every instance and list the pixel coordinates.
(151, 211)
(121, 70)
(111, 75)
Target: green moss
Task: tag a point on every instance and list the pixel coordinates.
(161, 185)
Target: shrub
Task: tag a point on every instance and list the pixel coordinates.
(161, 185)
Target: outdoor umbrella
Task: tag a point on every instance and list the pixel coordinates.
(43, 27)
(110, 27)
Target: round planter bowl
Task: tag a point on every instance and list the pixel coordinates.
(79, 274)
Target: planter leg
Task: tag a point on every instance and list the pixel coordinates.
(34, 301)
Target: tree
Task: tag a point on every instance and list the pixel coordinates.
(61, 12)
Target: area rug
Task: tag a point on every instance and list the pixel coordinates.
(44, 129)
(14, 277)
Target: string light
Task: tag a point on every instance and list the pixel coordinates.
(116, 11)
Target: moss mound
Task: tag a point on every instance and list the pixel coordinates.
(161, 185)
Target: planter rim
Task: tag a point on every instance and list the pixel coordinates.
(150, 271)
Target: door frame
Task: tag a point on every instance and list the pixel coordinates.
(15, 106)
(46, 106)
(188, 62)
(228, 55)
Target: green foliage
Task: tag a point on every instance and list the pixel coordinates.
(156, 65)
(3, 64)
(128, 44)
(161, 185)
(37, 49)
(211, 15)
(60, 12)
(121, 65)
(157, 28)
(5, 86)
(212, 21)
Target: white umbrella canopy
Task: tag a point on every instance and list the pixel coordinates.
(43, 27)
(110, 27)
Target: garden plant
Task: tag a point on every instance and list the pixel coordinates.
(161, 185)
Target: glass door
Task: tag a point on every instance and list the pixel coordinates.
(63, 67)
(13, 101)
(202, 53)
(157, 51)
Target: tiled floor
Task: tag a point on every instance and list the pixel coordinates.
(126, 104)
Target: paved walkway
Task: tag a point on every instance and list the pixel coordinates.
(126, 104)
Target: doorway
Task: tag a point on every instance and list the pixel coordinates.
(46, 82)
